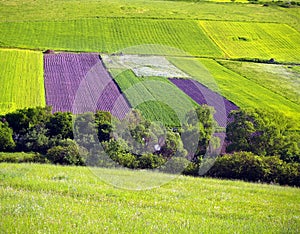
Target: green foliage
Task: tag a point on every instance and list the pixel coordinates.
(60, 125)
(21, 80)
(6, 141)
(65, 155)
(151, 161)
(35, 139)
(23, 119)
(21, 157)
(85, 130)
(103, 121)
(197, 132)
(263, 133)
(250, 167)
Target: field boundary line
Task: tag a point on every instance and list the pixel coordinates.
(226, 55)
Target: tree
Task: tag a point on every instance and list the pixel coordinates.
(21, 120)
(6, 140)
(263, 133)
(197, 132)
(104, 125)
(60, 124)
(85, 131)
(35, 139)
(68, 154)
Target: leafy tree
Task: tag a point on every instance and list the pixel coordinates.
(172, 146)
(197, 132)
(263, 133)
(85, 131)
(60, 124)
(68, 154)
(35, 139)
(21, 120)
(6, 140)
(150, 161)
(104, 125)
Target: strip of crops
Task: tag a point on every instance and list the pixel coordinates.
(21, 80)
(110, 35)
(157, 98)
(202, 95)
(238, 89)
(80, 83)
(255, 40)
(284, 80)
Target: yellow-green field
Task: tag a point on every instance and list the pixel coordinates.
(21, 79)
(255, 40)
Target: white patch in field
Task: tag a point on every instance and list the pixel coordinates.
(144, 66)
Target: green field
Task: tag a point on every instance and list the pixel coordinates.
(55, 199)
(236, 88)
(109, 35)
(255, 40)
(156, 97)
(21, 80)
(37, 10)
(284, 80)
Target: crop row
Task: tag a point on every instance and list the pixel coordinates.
(202, 95)
(157, 98)
(255, 40)
(79, 83)
(21, 80)
(111, 35)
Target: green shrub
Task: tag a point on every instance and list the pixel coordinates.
(150, 161)
(21, 157)
(250, 167)
(65, 155)
(176, 165)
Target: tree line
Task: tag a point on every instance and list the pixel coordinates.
(261, 145)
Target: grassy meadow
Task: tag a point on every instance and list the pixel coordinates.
(55, 199)
(236, 88)
(281, 79)
(21, 79)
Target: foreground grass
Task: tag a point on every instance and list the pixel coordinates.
(55, 199)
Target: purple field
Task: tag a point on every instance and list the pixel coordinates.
(202, 95)
(79, 83)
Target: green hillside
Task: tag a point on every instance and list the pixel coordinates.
(56, 199)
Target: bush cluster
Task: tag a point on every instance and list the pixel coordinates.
(250, 167)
